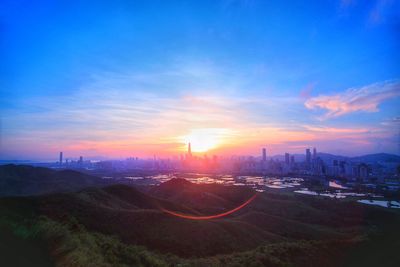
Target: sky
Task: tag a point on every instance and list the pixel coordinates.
(119, 78)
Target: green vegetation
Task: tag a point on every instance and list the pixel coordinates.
(121, 226)
(70, 244)
(23, 180)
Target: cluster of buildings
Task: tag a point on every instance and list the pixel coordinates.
(71, 163)
(309, 164)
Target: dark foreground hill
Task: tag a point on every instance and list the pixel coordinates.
(23, 180)
(120, 226)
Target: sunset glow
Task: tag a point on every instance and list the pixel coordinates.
(130, 84)
(203, 140)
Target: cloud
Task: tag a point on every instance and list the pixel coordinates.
(335, 130)
(364, 99)
(145, 113)
(381, 11)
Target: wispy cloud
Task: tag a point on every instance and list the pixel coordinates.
(122, 114)
(381, 11)
(364, 99)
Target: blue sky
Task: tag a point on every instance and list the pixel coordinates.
(139, 77)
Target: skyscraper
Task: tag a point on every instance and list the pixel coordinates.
(292, 159)
(287, 160)
(308, 156)
(314, 155)
(61, 158)
(264, 154)
(189, 150)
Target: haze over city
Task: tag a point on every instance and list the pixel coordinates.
(123, 78)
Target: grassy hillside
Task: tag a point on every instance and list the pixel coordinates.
(121, 226)
(22, 180)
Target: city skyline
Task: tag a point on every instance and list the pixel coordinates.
(262, 155)
(364, 168)
(230, 77)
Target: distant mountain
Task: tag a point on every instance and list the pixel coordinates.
(329, 158)
(15, 161)
(22, 180)
(370, 158)
(379, 157)
(297, 157)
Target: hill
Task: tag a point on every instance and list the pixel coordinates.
(328, 158)
(118, 225)
(206, 198)
(136, 219)
(378, 158)
(23, 180)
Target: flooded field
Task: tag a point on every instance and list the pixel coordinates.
(381, 203)
(332, 189)
(260, 183)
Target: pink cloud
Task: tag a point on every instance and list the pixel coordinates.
(365, 99)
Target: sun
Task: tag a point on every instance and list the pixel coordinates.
(203, 140)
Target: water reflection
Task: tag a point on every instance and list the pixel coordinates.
(381, 203)
(262, 183)
(259, 183)
(334, 194)
(335, 184)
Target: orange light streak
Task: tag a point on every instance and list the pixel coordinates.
(193, 217)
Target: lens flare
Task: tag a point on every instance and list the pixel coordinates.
(194, 217)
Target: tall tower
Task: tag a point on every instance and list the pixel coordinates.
(308, 156)
(264, 154)
(61, 158)
(292, 159)
(314, 154)
(287, 158)
(189, 150)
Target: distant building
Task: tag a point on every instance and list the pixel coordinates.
(335, 169)
(342, 168)
(189, 150)
(314, 153)
(318, 166)
(264, 154)
(363, 172)
(308, 156)
(292, 159)
(80, 160)
(61, 158)
(287, 158)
